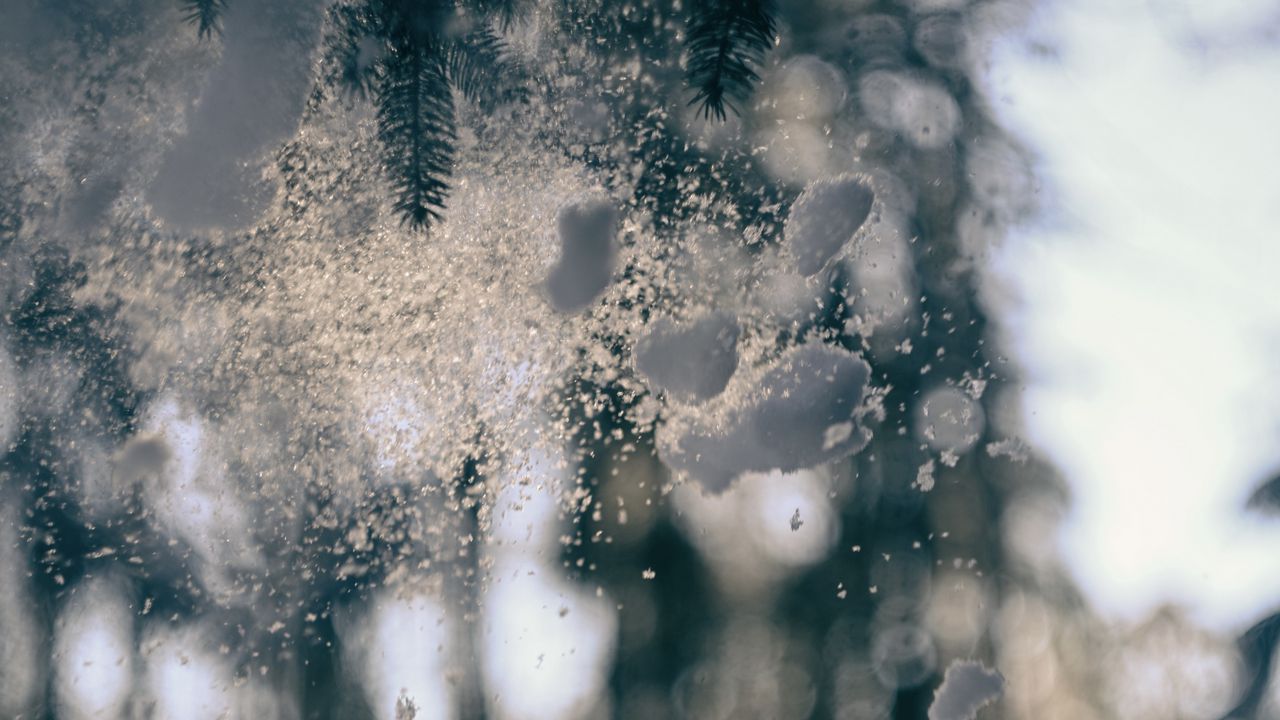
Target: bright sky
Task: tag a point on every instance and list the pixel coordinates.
(1148, 313)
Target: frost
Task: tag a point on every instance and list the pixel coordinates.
(690, 361)
(824, 218)
(967, 687)
(143, 456)
(876, 38)
(587, 254)
(783, 424)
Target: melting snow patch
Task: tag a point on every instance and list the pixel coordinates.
(694, 360)
(587, 253)
(967, 687)
(825, 217)
(784, 423)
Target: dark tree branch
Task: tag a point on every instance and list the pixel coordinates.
(727, 41)
(416, 130)
(505, 12)
(481, 69)
(354, 49)
(206, 15)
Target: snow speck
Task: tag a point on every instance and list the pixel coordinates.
(924, 476)
(1013, 448)
(967, 687)
(587, 254)
(405, 707)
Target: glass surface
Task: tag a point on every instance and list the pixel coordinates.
(703, 359)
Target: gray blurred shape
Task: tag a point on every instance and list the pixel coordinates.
(690, 361)
(212, 177)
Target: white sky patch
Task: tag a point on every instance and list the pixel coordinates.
(93, 652)
(184, 679)
(526, 510)
(547, 643)
(194, 498)
(1146, 312)
(403, 647)
(745, 533)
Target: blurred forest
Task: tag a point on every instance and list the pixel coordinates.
(515, 359)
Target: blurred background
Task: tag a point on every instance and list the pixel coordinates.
(951, 342)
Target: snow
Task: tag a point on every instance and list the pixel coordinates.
(693, 360)
(587, 255)
(783, 425)
(966, 688)
(924, 476)
(825, 218)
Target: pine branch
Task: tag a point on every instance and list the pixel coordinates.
(416, 129)
(353, 49)
(505, 12)
(206, 15)
(727, 41)
(481, 69)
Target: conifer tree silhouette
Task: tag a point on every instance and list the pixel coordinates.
(727, 41)
(408, 56)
